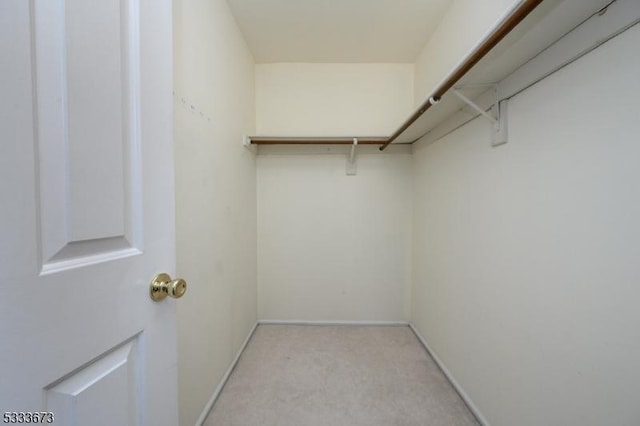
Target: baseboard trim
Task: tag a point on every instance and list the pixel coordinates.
(223, 382)
(467, 400)
(330, 322)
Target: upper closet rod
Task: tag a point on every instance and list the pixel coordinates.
(501, 30)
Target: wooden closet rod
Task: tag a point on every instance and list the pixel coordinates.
(257, 140)
(504, 28)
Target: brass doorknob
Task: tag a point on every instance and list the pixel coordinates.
(162, 286)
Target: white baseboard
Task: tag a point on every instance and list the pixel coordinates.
(330, 322)
(474, 409)
(223, 382)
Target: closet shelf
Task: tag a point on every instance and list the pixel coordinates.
(526, 30)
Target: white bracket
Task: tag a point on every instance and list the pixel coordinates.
(499, 135)
(352, 168)
(246, 142)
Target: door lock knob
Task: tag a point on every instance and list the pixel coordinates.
(162, 286)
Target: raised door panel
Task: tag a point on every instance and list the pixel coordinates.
(86, 87)
(104, 392)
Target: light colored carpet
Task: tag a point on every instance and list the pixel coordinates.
(337, 376)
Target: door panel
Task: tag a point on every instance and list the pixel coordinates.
(86, 157)
(87, 123)
(101, 393)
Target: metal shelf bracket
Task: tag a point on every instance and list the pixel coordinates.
(499, 136)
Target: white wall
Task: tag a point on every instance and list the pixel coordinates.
(295, 99)
(331, 246)
(526, 255)
(216, 197)
(464, 24)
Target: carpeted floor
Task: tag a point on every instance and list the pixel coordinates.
(337, 376)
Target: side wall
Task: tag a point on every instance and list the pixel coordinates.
(215, 197)
(526, 255)
(330, 246)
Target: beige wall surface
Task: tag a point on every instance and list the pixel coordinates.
(526, 255)
(334, 247)
(294, 99)
(216, 197)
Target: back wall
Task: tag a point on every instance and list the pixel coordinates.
(295, 99)
(330, 246)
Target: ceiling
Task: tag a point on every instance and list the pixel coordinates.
(337, 30)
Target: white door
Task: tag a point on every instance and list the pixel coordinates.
(87, 213)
